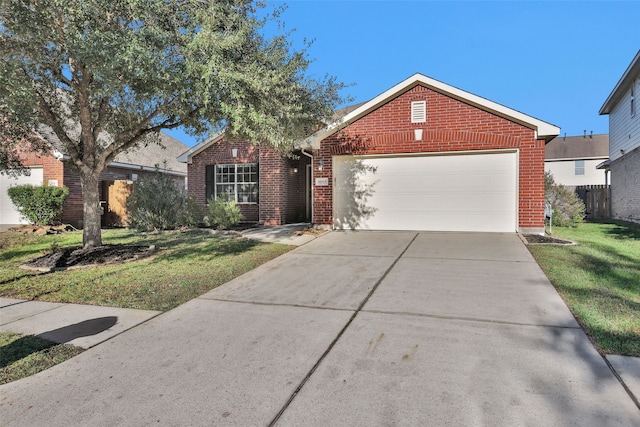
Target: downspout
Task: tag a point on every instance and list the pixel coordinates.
(309, 155)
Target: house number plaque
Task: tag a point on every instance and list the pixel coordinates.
(322, 182)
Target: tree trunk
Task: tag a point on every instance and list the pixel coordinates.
(92, 227)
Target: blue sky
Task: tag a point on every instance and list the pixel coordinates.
(556, 61)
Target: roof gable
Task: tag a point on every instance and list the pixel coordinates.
(543, 129)
(186, 156)
(631, 73)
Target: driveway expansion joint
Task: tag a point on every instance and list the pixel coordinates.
(337, 338)
(471, 319)
(275, 304)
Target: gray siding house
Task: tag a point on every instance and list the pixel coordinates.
(624, 143)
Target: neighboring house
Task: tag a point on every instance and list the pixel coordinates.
(421, 156)
(55, 170)
(573, 160)
(624, 143)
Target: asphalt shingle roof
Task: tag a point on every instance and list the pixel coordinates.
(578, 147)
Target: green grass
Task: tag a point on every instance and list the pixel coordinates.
(186, 265)
(23, 356)
(600, 281)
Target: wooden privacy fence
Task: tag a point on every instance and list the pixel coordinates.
(596, 200)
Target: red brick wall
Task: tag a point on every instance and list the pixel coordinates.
(451, 126)
(274, 188)
(219, 153)
(281, 190)
(52, 169)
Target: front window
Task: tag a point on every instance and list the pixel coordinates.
(579, 166)
(238, 181)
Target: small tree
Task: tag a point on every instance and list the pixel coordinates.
(39, 205)
(568, 209)
(158, 203)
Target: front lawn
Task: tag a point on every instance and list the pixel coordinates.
(186, 264)
(23, 356)
(599, 280)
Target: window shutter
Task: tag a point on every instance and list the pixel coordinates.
(209, 183)
(418, 111)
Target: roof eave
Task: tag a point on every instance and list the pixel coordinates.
(187, 156)
(543, 130)
(627, 77)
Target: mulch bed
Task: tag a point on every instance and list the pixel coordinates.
(78, 257)
(536, 239)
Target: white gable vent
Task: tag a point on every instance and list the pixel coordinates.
(418, 111)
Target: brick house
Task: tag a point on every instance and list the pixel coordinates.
(423, 155)
(624, 143)
(54, 170)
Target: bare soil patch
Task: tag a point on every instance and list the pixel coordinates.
(536, 239)
(310, 231)
(78, 257)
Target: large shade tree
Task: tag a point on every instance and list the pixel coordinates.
(105, 76)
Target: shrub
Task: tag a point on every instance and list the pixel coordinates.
(568, 209)
(39, 205)
(224, 212)
(192, 213)
(158, 203)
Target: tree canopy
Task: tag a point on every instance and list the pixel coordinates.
(104, 75)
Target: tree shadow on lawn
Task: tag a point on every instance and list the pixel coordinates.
(29, 344)
(612, 267)
(621, 229)
(210, 248)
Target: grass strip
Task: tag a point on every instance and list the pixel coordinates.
(24, 355)
(599, 279)
(186, 264)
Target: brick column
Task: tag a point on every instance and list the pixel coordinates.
(273, 188)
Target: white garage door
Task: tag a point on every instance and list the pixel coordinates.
(467, 192)
(8, 212)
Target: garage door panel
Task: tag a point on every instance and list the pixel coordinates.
(441, 193)
(8, 212)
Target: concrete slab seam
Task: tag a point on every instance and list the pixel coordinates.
(633, 397)
(275, 304)
(472, 259)
(17, 302)
(31, 315)
(341, 255)
(337, 338)
(125, 330)
(469, 319)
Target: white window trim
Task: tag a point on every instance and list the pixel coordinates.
(576, 167)
(235, 181)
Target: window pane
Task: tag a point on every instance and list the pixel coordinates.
(579, 167)
(240, 181)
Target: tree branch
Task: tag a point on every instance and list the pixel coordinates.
(52, 120)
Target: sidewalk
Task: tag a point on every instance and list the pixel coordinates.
(86, 325)
(81, 325)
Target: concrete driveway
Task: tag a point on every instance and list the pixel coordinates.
(367, 328)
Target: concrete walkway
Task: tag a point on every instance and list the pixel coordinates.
(81, 325)
(349, 329)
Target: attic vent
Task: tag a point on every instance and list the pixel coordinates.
(418, 111)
